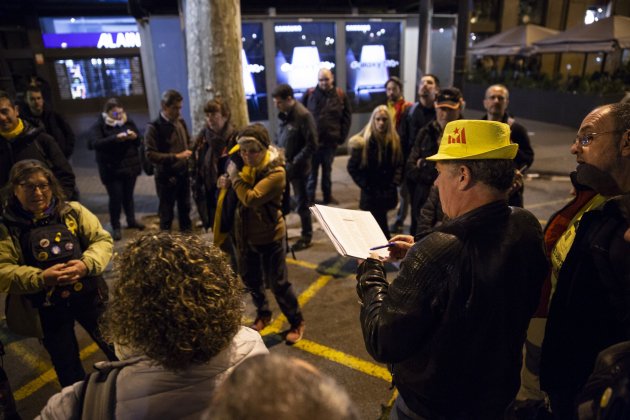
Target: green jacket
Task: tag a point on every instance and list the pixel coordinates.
(18, 279)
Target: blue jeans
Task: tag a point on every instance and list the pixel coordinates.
(323, 157)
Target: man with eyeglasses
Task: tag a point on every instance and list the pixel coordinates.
(589, 282)
(496, 103)
(21, 140)
(330, 107)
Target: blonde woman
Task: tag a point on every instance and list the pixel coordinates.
(376, 165)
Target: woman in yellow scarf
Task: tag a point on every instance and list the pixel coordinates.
(259, 227)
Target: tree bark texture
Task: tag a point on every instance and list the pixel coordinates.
(213, 47)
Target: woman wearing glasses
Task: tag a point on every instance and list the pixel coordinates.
(52, 256)
(259, 227)
(116, 139)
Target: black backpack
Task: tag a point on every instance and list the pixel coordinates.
(606, 394)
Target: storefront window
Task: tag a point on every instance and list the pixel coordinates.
(372, 57)
(302, 49)
(99, 77)
(254, 71)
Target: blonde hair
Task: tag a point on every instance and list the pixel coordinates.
(389, 139)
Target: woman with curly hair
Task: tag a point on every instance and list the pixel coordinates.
(175, 323)
(376, 165)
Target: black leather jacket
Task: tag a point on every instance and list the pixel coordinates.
(452, 324)
(590, 309)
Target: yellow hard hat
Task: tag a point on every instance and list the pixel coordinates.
(475, 139)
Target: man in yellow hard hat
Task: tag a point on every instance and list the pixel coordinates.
(452, 323)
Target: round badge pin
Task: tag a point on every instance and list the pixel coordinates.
(58, 237)
(69, 246)
(44, 243)
(42, 256)
(65, 294)
(55, 250)
(78, 286)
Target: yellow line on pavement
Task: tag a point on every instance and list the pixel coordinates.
(344, 359)
(27, 356)
(393, 398)
(302, 263)
(49, 376)
(316, 286)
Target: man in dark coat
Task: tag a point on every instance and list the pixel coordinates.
(421, 114)
(40, 114)
(452, 323)
(20, 140)
(330, 107)
(496, 102)
(298, 138)
(167, 144)
(590, 260)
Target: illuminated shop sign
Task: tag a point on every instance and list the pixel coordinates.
(110, 40)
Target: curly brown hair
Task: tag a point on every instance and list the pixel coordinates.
(175, 299)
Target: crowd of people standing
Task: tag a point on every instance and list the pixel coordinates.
(474, 268)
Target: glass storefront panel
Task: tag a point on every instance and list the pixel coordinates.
(372, 56)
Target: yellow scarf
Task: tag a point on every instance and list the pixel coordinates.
(248, 175)
(10, 135)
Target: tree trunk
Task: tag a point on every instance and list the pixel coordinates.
(213, 47)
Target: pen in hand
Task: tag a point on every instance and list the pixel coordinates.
(387, 245)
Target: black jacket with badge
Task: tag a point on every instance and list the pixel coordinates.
(332, 112)
(115, 157)
(34, 143)
(298, 137)
(453, 323)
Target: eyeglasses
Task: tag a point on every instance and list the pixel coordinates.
(586, 139)
(34, 187)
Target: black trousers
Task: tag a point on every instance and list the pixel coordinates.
(298, 185)
(268, 261)
(120, 192)
(59, 339)
(175, 189)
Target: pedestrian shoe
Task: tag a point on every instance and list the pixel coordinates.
(116, 234)
(260, 323)
(136, 225)
(301, 244)
(332, 200)
(295, 334)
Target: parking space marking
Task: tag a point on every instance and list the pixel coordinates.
(548, 203)
(49, 376)
(344, 359)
